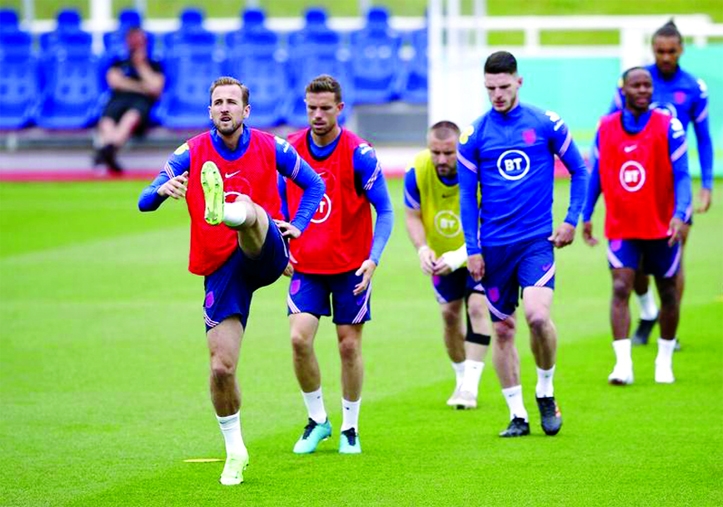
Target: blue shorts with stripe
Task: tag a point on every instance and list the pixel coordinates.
(230, 288)
(654, 256)
(312, 294)
(455, 286)
(511, 268)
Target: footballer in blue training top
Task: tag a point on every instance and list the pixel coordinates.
(509, 155)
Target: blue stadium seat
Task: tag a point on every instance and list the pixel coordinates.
(268, 88)
(8, 20)
(253, 38)
(18, 90)
(313, 50)
(375, 59)
(184, 103)
(14, 43)
(414, 87)
(68, 34)
(191, 38)
(70, 99)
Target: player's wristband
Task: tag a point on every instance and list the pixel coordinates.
(422, 249)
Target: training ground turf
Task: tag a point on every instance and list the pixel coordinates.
(103, 379)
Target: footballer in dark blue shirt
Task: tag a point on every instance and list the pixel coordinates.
(508, 155)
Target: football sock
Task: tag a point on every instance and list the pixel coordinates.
(544, 388)
(234, 213)
(665, 351)
(231, 429)
(472, 373)
(350, 411)
(513, 397)
(314, 402)
(458, 373)
(648, 308)
(622, 351)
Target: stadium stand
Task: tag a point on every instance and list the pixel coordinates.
(253, 55)
(70, 98)
(414, 81)
(275, 65)
(18, 73)
(315, 49)
(375, 59)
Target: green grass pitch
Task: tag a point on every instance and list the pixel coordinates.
(103, 379)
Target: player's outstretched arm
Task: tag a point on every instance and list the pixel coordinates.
(172, 181)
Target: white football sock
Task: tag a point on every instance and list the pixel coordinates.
(544, 388)
(231, 430)
(350, 410)
(665, 351)
(648, 308)
(314, 402)
(513, 397)
(234, 213)
(623, 355)
(458, 373)
(472, 373)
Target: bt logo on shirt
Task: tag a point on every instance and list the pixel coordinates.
(513, 165)
(447, 223)
(632, 176)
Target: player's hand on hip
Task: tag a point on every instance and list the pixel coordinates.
(175, 187)
(289, 270)
(563, 236)
(426, 259)
(287, 230)
(676, 231)
(587, 234)
(704, 200)
(476, 266)
(366, 271)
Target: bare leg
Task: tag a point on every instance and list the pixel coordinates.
(453, 330)
(623, 279)
(669, 306)
(352, 364)
(506, 358)
(480, 323)
(543, 336)
(306, 366)
(224, 344)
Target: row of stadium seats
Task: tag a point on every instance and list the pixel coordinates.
(60, 84)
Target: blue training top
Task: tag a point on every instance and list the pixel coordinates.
(677, 152)
(286, 161)
(684, 97)
(368, 179)
(511, 157)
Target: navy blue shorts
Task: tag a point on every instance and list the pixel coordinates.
(511, 268)
(311, 294)
(229, 289)
(455, 286)
(654, 256)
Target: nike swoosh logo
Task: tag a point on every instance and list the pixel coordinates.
(231, 175)
(628, 149)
